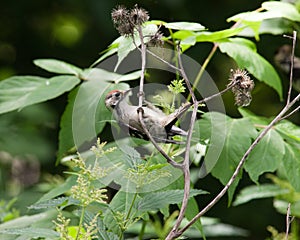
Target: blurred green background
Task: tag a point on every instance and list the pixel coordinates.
(76, 32)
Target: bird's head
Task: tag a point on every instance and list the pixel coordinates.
(114, 97)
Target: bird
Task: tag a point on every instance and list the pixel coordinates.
(160, 125)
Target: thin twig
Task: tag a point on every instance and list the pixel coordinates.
(143, 67)
(152, 140)
(203, 67)
(240, 166)
(185, 77)
(278, 118)
(217, 94)
(211, 54)
(287, 220)
(185, 164)
(141, 95)
(163, 60)
(294, 37)
(291, 113)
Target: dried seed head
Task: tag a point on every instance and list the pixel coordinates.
(241, 86)
(121, 18)
(242, 99)
(119, 15)
(138, 16)
(156, 40)
(126, 29)
(125, 21)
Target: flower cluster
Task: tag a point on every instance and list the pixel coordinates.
(126, 20)
(241, 85)
(86, 192)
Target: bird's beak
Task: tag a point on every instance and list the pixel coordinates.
(127, 92)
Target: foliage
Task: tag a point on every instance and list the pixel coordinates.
(147, 185)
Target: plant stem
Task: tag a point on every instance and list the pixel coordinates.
(278, 118)
(185, 164)
(80, 223)
(292, 66)
(239, 167)
(143, 67)
(288, 222)
(142, 231)
(203, 67)
(130, 209)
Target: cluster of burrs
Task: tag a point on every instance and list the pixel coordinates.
(241, 86)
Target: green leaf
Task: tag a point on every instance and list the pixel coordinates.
(291, 164)
(253, 62)
(282, 9)
(57, 66)
(274, 9)
(212, 228)
(112, 49)
(57, 191)
(86, 115)
(31, 232)
(21, 91)
(288, 130)
(102, 232)
(191, 211)
(281, 206)
(33, 220)
(230, 141)
(218, 35)
(258, 192)
(275, 26)
(212, 132)
(65, 137)
(257, 120)
(192, 26)
(51, 203)
(104, 75)
(120, 204)
(206, 36)
(89, 114)
(266, 156)
(156, 200)
(124, 45)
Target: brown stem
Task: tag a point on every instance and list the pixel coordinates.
(278, 118)
(166, 156)
(185, 164)
(294, 37)
(287, 221)
(239, 167)
(143, 68)
(143, 50)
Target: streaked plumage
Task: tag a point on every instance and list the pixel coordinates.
(160, 126)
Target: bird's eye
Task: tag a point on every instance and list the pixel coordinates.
(117, 94)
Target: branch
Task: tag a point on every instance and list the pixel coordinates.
(185, 164)
(291, 113)
(240, 165)
(143, 50)
(212, 52)
(217, 94)
(278, 118)
(294, 37)
(288, 222)
(163, 60)
(143, 56)
(169, 160)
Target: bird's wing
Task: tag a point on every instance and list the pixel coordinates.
(172, 118)
(153, 107)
